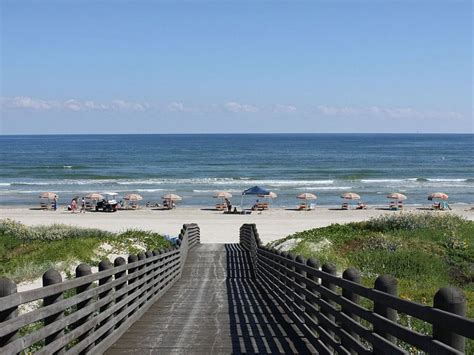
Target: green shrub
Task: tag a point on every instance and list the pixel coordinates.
(46, 233)
(413, 264)
(413, 221)
(27, 252)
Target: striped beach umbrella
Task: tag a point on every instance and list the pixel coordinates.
(49, 195)
(271, 194)
(438, 196)
(222, 194)
(350, 196)
(397, 196)
(307, 196)
(133, 197)
(172, 197)
(95, 196)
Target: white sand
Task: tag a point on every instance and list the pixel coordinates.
(216, 227)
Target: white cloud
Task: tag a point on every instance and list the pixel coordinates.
(278, 108)
(238, 107)
(23, 102)
(175, 106)
(388, 112)
(30, 103)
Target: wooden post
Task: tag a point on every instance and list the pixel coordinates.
(149, 268)
(301, 259)
(156, 271)
(313, 263)
(291, 291)
(353, 275)
(387, 284)
(52, 277)
(131, 259)
(330, 269)
(451, 300)
(84, 270)
(105, 265)
(119, 262)
(7, 288)
(160, 270)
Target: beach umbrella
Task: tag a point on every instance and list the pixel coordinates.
(172, 197)
(49, 195)
(270, 194)
(307, 196)
(222, 194)
(95, 196)
(350, 196)
(256, 190)
(133, 197)
(438, 195)
(396, 196)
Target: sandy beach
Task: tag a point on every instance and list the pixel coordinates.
(216, 227)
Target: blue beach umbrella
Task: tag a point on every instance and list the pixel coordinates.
(256, 190)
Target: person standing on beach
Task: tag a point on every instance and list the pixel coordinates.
(83, 205)
(228, 204)
(73, 206)
(55, 203)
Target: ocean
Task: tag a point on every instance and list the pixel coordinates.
(195, 166)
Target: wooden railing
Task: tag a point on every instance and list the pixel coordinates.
(339, 315)
(90, 312)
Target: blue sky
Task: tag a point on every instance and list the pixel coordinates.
(235, 66)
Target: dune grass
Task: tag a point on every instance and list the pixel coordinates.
(424, 251)
(27, 252)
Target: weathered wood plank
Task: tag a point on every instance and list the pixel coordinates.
(214, 308)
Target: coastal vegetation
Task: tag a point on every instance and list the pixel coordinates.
(424, 251)
(26, 252)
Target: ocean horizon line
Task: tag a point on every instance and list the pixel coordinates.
(246, 134)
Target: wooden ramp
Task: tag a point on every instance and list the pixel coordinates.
(215, 308)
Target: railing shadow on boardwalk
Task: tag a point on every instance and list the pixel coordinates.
(257, 325)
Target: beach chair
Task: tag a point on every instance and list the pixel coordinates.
(444, 205)
(221, 207)
(400, 205)
(302, 207)
(45, 205)
(393, 206)
(361, 206)
(345, 206)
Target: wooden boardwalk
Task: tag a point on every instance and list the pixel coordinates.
(215, 308)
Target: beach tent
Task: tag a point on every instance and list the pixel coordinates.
(256, 190)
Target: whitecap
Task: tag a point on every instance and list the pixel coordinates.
(446, 180)
(310, 188)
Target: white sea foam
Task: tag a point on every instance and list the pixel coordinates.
(447, 180)
(223, 181)
(5, 184)
(311, 188)
(152, 190)
(377, 181)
